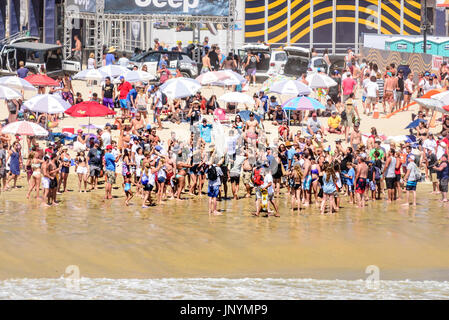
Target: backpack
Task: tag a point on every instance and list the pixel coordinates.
(415, 174)
(164, 98)
(212, 173)
(257, 177)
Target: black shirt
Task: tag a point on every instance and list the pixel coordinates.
(400, 84)
(334, 90)
(94, 157)
(346, 159)
(108, 90)
(195, 116)
(252, 62)
(213, 57)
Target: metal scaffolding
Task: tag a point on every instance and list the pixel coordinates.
(110, 29)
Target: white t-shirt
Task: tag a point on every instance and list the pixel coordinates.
(106, 137)
(158, 97)
(409, 85)
(430, 144)
(91, 63)
(371, 89)
(232, 143)
(123, 62)
(266, 180)
(365, 82)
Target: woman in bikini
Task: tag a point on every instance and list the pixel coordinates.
(295, 180)
(315, 172)
(81, 170)
(36, 176)
(65, 168)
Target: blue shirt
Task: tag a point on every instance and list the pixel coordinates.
(131, 93)
(110, 59)
(109, 158)
(351, 174)
(22, 72)
(205, 132)
(161, 63)
(264, 101)
(290, 153)
(270, 158)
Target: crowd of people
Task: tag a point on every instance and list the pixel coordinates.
(298, 161)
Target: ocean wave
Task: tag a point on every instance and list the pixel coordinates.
(220, 288)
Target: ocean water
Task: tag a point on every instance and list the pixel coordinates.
(221, 288)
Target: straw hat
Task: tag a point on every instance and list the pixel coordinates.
(111, 50)
(126, 122)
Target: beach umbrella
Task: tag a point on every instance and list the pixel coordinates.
(427, 95)
(414, 124)
(114, 70)
(137, 76)
(9, 94)
(180, 87)
(233, 79)
(236, 97)
(24, 128)
(89, 109)
(211, 77)
(90, 74)
(91, 126)
(244, 114)
(47, 103)
(290, 87)
(429, 103)
(41, 80)
(319, 80)
(17, 83)
(443, 97)
(270, 81)
(302, 103)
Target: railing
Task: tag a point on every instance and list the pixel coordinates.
(13, 37)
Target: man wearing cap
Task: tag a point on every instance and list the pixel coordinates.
(361, 179)
(131, 101)
(109, 162)
(412, 176)
(404, 68)
(334, 123)
(110, 57)
(205, 131)
(391, 83)
(334, 91)
(123, 88)
(314, 126)
(94, 162)
(194, 113)
(251, 127)
(108, 93)
(443, 175)
(348, 85)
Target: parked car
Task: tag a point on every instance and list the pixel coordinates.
(271, 61)
(300, 62)
(36, 55)
(151, 59)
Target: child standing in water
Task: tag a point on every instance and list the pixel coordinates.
(127, 187)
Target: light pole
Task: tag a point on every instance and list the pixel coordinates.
(425, 26)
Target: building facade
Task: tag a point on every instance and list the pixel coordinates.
(336, 24)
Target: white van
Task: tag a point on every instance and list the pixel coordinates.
(271, 62)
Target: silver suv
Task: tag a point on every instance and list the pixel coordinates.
(176, 60)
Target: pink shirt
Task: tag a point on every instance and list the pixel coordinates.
(348, 86)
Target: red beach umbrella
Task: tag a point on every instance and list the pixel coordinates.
(89, 109)
(41, 80)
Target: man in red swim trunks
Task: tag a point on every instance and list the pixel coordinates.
(360, 178)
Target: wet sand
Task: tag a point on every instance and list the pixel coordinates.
(179, 239)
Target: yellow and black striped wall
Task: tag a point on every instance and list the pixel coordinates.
(333, 24)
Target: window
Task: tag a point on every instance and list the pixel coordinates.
(152, 57)
(281, 56)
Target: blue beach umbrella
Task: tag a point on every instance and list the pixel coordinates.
(302, 103)
(414, 124)
(244, 114)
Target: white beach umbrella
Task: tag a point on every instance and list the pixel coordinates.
(17, 83)
(429, 103)
(443, 97)
(236, 97)
(114, 70)
(232, 78)
(290, 87)
(8, 93)
(47, 103)
(212, 77)
(180, 87)
(90, 74)
(318, 80)
(24, 128)
(137, 76)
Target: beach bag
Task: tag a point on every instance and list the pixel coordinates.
(212, 173)
(257, 177)
(164, 98)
